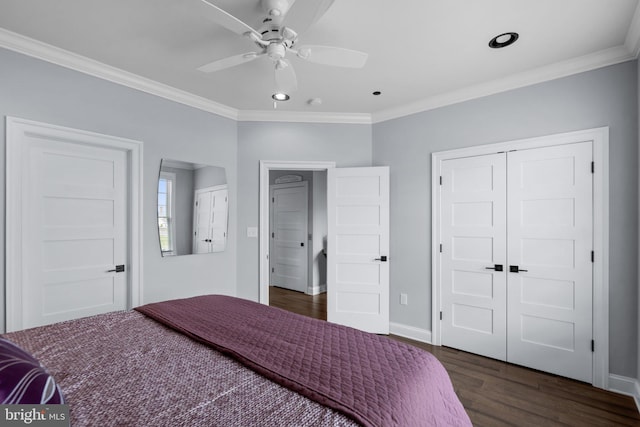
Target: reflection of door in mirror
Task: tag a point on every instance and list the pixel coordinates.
(167, 213)
(179, 185)
(210, 219)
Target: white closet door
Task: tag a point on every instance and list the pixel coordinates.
(202, 222)
(219, 219)
(550, 216)
(473, 250)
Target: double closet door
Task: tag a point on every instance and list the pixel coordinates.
(516, 258)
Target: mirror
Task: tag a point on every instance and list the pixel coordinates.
(192, 208)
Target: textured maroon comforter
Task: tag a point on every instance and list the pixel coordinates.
(375, 380)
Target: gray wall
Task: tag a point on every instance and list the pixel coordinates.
(41, 91)
(604, 97)
(347, 145)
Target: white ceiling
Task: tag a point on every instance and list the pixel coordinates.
(422, 53)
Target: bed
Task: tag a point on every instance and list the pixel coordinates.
(222, 361)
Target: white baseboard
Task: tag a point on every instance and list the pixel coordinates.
(625, 385)
(410, 332)
(317, 289)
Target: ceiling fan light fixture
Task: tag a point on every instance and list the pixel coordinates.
(503, 40)
(279, 96)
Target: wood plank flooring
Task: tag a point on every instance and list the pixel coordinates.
(498, 394)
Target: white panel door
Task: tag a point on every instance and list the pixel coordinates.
(358, 248)
(202, 220)
(210, 217)
(75, 202)
(473, 231)
(219, 219)
(289, 235)
(550, 239)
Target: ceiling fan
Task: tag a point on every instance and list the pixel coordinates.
(276, 37)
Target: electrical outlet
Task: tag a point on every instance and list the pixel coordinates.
(403, 299)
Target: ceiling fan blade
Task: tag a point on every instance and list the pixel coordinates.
(304, 13)
(231, 61)
(220, 17)
(286, 81)
(335, 56)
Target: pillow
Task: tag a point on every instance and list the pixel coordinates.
(23, 379)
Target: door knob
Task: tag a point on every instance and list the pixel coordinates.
(496, 267)
(118, 269)
(382, 258)
(515, 269)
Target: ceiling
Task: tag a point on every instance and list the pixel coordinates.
(422, 53)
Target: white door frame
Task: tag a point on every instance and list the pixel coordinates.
(14, 215)
(600, 138)
(265, 167)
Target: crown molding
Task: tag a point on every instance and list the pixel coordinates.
(303, 117)
(34, 48)
(558, 70)
(37, 49)
(632, 42)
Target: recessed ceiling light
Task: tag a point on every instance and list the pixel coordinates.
(377, 92)
(280, 96)
(503, 40)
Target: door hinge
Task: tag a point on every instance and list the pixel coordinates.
(273, 200)
(440, 247)
(440, 179)
(273, 235)
(593, 346)
(593, 167)
(273, 270)
(593, 256)
(440, 315)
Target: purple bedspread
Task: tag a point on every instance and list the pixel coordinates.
(375, 380)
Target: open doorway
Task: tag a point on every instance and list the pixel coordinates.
(316, 176)
(357, 211)
(297, 241)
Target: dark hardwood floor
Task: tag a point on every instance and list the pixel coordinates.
(496, 393)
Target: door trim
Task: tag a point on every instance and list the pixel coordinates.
(600, 138)
(265, 167)
(14, 218)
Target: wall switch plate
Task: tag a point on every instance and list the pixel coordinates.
(252, 231)
(403, 299)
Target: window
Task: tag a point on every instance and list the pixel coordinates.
(166, 213)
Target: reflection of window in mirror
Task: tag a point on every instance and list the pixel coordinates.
(166, 213)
